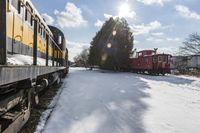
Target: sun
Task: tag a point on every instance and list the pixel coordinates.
(124, 10)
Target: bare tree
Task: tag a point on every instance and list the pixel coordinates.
(82, 58)
(191, 45)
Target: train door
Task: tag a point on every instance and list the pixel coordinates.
(16, 24)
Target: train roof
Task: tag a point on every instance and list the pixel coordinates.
(57, 30)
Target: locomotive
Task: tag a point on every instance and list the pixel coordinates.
(33, 56)
(151, 62)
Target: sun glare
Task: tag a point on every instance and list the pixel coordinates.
(124, 10)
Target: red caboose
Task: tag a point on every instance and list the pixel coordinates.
(151, 62)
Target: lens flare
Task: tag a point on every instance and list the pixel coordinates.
(124, 10)
(114, 33)
(109, 45)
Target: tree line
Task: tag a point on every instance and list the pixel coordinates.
(113, 44)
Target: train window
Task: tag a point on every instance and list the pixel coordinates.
(139, 54)
(169, 58)
(16, 5)
(44, 34)
(38, 28)
(28, 14)
(164, 58)
(41, 31)
(155, 59)
(146, 61)
(160, 59)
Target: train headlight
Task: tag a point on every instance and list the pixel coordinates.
(60, 40)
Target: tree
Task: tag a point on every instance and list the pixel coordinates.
(112, 45)
(191, 45)
(81, 60)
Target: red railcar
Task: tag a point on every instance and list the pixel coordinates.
(151, 62)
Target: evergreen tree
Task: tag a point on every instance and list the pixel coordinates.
(112, 45)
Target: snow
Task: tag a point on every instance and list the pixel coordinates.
(107, 102)
(18, 59)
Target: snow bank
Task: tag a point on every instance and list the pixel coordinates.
(18, 59)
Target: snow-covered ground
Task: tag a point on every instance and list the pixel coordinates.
(106, 102)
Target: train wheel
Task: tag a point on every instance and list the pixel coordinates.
(35, 99)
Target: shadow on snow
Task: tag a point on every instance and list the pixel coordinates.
(169, 78)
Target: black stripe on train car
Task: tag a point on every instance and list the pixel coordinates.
(3, 47)
(20, 48)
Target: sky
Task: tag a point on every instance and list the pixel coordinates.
(162, 24)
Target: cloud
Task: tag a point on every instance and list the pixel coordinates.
(99, 23)
(153, 2)
(86, 9)
(158, 34)
(157, 39)
(145, 29)
(173, 39)
(126, 12)
(49, 20)
(75, 48)
(71, 17)
(107, 16)
(169, 50)
(186, 12)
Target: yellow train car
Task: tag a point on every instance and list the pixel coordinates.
(27, 30)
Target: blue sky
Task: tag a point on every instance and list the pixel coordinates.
(162, 24)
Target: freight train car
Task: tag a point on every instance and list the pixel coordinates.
(151, 62)
(33, 56)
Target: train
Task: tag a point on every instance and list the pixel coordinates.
(33, 56)
(150, 62)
